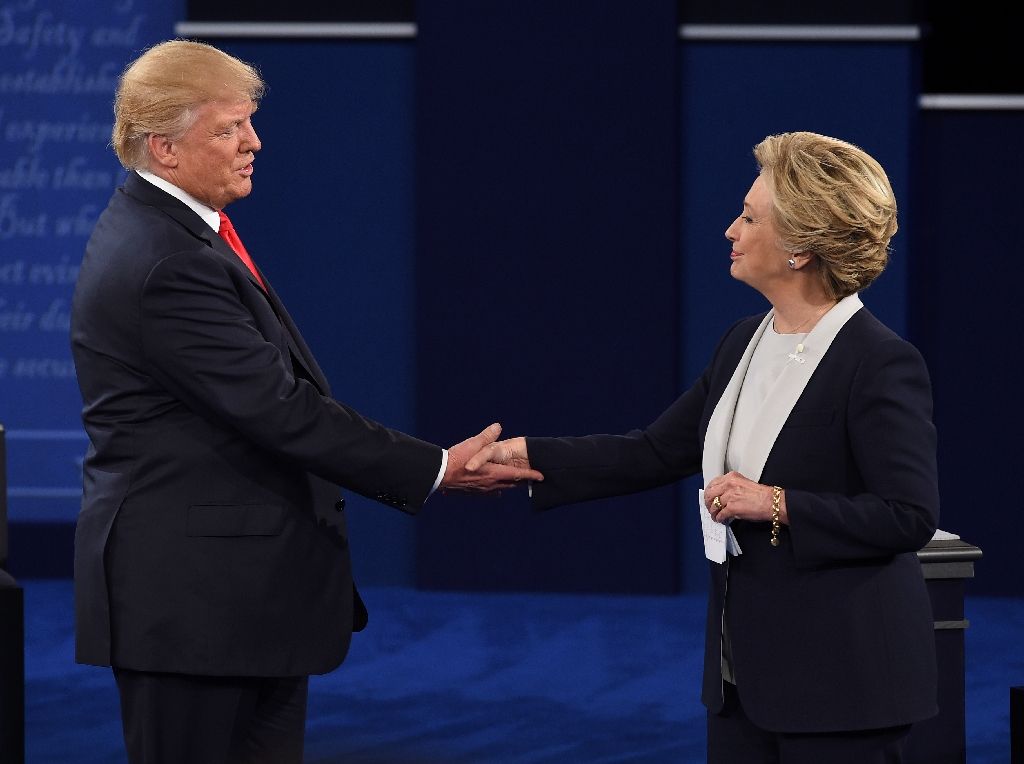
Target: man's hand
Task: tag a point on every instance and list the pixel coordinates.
(486, 472)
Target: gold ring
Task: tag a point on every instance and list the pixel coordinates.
(717, 502)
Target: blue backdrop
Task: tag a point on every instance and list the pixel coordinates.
(531, 233)
(546, 245)
(59, 63)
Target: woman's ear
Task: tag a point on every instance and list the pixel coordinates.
(801, 260)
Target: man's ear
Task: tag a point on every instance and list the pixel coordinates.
(162, 149)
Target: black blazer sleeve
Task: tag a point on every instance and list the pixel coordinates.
(597, 466)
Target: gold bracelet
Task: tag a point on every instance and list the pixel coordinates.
(776, 498)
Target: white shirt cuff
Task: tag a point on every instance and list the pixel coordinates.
(440, 472)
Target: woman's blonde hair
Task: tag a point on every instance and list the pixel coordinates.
(833, 200)
(160, 93)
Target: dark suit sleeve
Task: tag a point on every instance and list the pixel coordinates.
(670, 448)
(205, 347)
(597, 466)
(892, 444)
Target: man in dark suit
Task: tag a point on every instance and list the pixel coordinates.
(211, 559)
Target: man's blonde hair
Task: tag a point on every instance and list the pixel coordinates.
(161, 91)
(830, 199)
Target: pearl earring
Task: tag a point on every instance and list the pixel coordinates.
(791, 263)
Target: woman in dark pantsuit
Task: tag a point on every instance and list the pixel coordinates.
(812, 426)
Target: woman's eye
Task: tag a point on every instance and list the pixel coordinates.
(746, 218)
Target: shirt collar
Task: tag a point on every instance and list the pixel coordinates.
(208, 214)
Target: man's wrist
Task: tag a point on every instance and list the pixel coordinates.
(440, 472)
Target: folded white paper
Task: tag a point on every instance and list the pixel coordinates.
(719, 539)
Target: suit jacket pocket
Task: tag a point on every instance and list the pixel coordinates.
(234, 520)
(810, 418)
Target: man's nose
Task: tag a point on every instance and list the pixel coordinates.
(252, 140)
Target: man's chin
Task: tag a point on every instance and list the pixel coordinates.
(238, 191)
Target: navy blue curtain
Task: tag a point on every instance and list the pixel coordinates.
(547, 273)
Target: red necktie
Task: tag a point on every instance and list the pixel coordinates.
(228, 233)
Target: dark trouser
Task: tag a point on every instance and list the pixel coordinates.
(176, 718)
(734, 739)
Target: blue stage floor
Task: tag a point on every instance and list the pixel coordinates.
(457, 678)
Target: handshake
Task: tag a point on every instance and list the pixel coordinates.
(483, 463)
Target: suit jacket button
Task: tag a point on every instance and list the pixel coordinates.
(339, 505)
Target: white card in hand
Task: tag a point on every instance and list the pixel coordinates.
(714, 533)
(718, 537)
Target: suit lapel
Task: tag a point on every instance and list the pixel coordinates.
(148, 194)
(716, 439)
(224, 249)
(300, 351)
(780, 402)
(790, 386)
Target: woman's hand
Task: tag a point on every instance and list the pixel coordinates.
(732, 496)
(480, 464)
